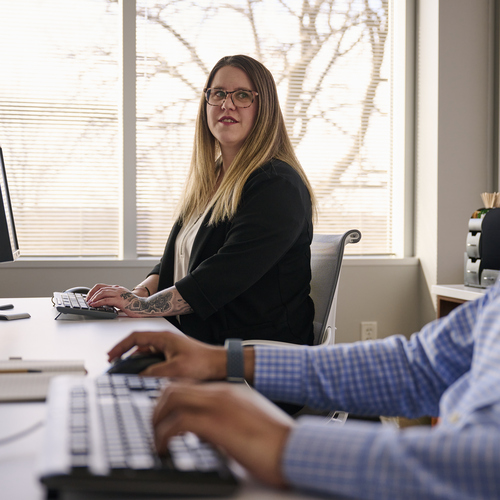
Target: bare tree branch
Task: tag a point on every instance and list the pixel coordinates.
(311, 44)
(377, 31)
(323, 25)
(251, 19)
(155, 17)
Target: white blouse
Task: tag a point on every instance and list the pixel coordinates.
(184, 245)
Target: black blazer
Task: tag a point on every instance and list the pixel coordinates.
(250, 277)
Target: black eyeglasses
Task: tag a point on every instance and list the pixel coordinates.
(240, 98)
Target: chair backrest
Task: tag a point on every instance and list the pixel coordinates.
(327, 252)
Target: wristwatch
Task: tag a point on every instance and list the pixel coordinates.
(235, 367)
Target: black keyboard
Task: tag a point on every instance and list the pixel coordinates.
(75, 303)
(99, 438)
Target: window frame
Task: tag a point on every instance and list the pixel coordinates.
(403, 144)
(403, 18)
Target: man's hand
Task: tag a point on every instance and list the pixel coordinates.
(230, 417)
(184, 357)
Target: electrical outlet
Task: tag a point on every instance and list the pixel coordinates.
(368, 330)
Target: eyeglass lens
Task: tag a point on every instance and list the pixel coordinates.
(240, 98)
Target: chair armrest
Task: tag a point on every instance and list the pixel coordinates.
(271, 343)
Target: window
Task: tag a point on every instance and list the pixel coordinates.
(60, 117)
(58, 125)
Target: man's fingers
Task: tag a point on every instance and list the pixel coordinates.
(156, 341)
(185, 407)
(179, 423)
(139, 339)
(186, 357)
(232, 420)
(163, 369)
(176, 397)
(122, 347)
(164, 431)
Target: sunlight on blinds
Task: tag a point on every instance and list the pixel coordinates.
(59, 111)
(331, 61)
(58, 124)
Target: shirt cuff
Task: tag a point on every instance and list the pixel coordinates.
(279, 373)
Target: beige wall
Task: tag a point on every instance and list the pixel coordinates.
(40, 279)
(379, 290)
(454, 131)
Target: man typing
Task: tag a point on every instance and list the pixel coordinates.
(450, 368)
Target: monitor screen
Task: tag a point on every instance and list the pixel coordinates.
(9, 248)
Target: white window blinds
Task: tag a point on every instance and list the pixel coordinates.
(59, 128)
(331, 61)
(58, 125)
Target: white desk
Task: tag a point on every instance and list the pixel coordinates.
(70, 337)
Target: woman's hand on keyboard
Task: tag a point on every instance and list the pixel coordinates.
(253, 433)
(185, 357)
(168, 302)
(113, 296)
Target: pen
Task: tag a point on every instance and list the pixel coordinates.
(13, 370)
(6, 306)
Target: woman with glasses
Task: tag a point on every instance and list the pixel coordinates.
(237, 262)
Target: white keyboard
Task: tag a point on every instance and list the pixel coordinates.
(76, 303)
(99, 437)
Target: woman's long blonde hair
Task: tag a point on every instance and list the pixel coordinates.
(268, 139)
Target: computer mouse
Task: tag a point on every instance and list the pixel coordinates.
(135, 363)
(78, 289)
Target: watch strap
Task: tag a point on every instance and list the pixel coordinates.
(235, 366)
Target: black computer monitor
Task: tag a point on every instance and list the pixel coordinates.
(9, 247)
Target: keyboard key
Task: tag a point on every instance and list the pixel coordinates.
(191, 440)
(141, 461)
(73, 300)
(135, 383)
(78, 420)
(79, 444)
(79, 461)
(184, 461)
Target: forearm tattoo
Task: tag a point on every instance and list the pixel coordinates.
(163, 303)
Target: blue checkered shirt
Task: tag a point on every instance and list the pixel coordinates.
(451, 368)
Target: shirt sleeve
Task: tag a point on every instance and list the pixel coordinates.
(457, 460)
(393, 376)
(372, 461)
